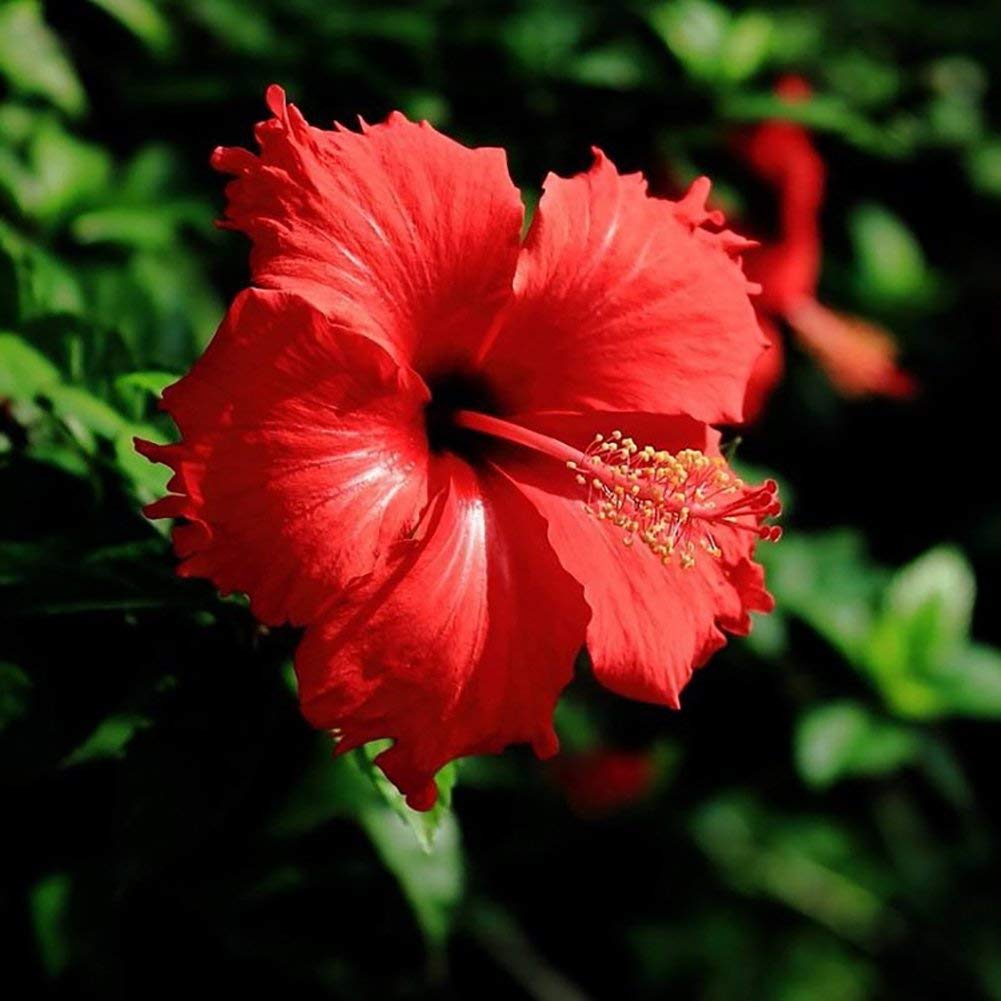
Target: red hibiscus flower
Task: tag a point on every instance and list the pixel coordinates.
(600, 782)
(376, 443)
(858, 357)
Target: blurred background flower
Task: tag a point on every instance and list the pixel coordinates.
(822, 821)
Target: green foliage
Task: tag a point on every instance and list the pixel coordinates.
(33, 60)
(907, 633)
(891, 267)
(830, 823)
(422, 850)
(840, 740)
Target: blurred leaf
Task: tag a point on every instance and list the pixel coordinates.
(544, 37)
(612, 66)
(747, 45)
(919, 651)
(713, 44)
(825, 113)
(146, 227)
(109, 740)
(891, 265)
(430, 875)
(235, 23)
(143, 19)
(935, 594)
(24, 372)
(33, 283)
(32, 57)
(695, 31)
(828, 581)
(147, 383)
(55, 173)
(431, 881)
(810, 864)
(862, 78)
(49, 913)
(15, 693)
(983, 165)
(844, 739)
(424, 824)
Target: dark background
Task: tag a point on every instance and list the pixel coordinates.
(823, 820)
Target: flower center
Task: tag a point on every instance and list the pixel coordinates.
(674, 503)
(452, 392)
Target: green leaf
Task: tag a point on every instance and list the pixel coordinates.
(49, 914)
(145, 227)
(57, 173)
(844, 739)
(33, 60)
(983, 164)
(828, 581)
(109, 740)
(891, 269)
(143, 19)
(613, 66)
(922, 629)
(424, 824)
(33, 283)
(696, 32)
(746, 46)
(430, 872)
(24, 372)
(432, 882)
(935, 594)
(15, 694)
(810, 864)
(143, 384)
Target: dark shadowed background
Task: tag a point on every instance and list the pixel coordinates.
(819, 822)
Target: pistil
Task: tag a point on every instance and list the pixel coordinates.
(677, 504)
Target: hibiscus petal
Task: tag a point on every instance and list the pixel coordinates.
(303, 457)
(463, 649)
(860, 358)
(404, 234)
(625, 302)
(651, 624)
(767, 372)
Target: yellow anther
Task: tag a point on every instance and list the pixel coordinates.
(671, 501)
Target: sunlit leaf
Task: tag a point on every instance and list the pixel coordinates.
(844, 739)
(891, 265)
(426, 859)
(49, 914)
(33, 283)
(143, 19)
(432, 881)
(32, 58)
(109, 740)
(24, 372)
(423, 824)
